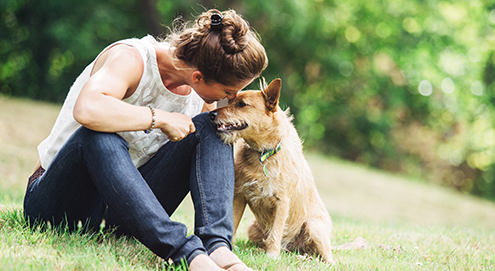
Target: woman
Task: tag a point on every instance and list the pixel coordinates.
(130, 142)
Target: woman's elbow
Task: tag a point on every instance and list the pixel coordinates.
(83, 114)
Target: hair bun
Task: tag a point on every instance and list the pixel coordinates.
(234, 35)
(233, 29)
(224, 49)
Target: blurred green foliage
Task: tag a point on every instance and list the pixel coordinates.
(406, 86)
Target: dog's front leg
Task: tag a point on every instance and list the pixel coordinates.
(239, 207)
(281, 213)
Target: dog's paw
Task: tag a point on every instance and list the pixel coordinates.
(272, 253)
(358, 243)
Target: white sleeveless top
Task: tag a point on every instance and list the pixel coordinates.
(150, 91)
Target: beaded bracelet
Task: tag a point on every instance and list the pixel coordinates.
(153, 119)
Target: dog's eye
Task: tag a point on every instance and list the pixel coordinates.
(241, 104)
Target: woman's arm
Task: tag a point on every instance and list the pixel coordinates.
(116, 75)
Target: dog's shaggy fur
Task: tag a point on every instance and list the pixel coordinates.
(288, 210)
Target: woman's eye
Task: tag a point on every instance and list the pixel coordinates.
(241, 104)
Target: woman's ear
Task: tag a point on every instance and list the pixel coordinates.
(197, 77)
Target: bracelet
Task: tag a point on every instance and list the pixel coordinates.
(153, 119)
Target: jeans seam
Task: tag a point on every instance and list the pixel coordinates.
(200, 182)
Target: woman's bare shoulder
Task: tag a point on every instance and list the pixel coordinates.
(117, 55)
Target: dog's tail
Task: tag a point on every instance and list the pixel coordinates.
(358, 243)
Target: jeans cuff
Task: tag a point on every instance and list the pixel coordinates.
(192, 248)
(216, 245)
(193, 255)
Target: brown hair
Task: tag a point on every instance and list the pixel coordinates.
(227, 55)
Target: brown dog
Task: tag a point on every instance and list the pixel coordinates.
(272, 176)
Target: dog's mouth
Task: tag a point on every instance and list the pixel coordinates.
(229, 127)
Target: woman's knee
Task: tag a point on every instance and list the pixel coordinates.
(100, 140)
(202, 119)
(203, 124)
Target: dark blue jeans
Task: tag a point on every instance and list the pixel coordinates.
(93, 178)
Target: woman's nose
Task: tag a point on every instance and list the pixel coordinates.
(231, 96)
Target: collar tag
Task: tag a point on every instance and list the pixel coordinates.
(267, 153)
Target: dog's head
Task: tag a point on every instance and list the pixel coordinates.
(251, 115)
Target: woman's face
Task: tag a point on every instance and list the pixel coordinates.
(213, 92)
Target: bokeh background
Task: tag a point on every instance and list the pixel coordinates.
(402, 85)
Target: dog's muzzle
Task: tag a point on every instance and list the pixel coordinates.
(226, 127)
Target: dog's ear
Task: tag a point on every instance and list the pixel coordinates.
(272, 94)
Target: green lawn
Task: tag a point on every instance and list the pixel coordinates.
(408, 224)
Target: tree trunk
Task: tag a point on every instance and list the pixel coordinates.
(150, 15)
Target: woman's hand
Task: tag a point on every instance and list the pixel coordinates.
(175, 125)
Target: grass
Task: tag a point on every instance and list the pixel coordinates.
(408, 224)
(25, 249)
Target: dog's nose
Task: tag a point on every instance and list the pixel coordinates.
(213, 115)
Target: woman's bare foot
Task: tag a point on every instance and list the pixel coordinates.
(203, 263)
(225, 258)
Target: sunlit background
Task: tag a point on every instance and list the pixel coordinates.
(405, 86)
